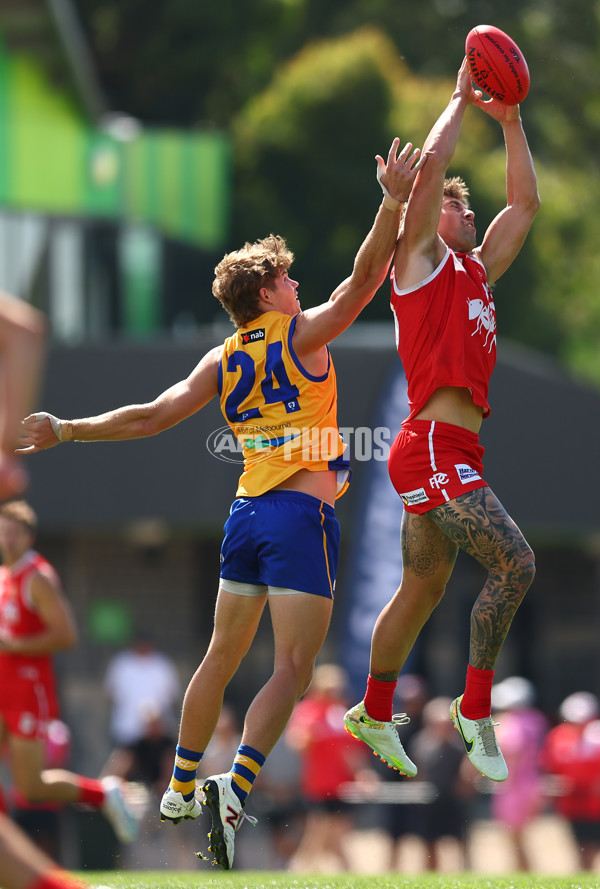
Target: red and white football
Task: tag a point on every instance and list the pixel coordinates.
(497, 64)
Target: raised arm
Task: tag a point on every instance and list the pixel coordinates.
(319, 325)
(42, 430)
(419, 247)
(507, 232)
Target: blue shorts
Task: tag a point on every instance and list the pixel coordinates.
(282, 539)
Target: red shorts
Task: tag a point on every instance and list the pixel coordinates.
(27, 703)
(432, 462)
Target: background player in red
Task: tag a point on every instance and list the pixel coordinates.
(329, 760)
(446, 336)
(35, 623)
(22, 338)
(571, 754)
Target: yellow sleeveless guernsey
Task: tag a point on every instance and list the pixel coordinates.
(284, 418)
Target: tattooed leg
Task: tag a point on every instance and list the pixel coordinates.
(479, 524)
(428, 557)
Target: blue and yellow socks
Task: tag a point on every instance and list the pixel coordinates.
(246, 766)
(184, 772)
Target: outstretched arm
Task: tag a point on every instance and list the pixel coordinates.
(42, 430)
(319, 325)
(507, 232)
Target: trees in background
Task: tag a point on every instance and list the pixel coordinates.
(311, 91)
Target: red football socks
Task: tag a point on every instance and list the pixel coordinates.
(379, 699)
(477, 699)
(92, 792)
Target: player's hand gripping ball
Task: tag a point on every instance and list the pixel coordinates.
(497, 64)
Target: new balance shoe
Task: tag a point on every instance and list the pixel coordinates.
(227, 813)
(173, 807)
(480, 743)
(381, 737)
(123, 806)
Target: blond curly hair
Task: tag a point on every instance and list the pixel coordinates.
(241, 274)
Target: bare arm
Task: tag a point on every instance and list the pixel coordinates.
(41, 431)
(507, 232)
(59, 632)
(420, 248)
(22, 331)
(318, 326)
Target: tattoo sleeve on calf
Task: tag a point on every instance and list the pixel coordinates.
(479, 524)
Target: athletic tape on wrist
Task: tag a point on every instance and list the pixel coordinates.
(54, 422)
(390, 203)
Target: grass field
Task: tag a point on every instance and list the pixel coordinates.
(216, 879)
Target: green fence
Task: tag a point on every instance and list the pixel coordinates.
(52, 161)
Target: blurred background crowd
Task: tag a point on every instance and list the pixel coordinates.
(325, 803)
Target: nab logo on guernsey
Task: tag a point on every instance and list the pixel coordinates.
(410, 498)
(466, 473)
(253, 336)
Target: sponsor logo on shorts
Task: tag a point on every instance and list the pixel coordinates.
(466, 473)
(411, 498)
(438, 480)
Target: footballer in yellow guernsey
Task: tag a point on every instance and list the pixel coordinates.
(277, 390)
(284, 417)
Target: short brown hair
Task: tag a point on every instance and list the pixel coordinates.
(455, 187)
(241, 274)
(20, 511)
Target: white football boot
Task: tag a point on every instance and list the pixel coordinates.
(480, 743)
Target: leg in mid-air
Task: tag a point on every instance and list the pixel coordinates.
(479, 524)
(300, 622)
(235, 624)
(428, 558)
(123, 803)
